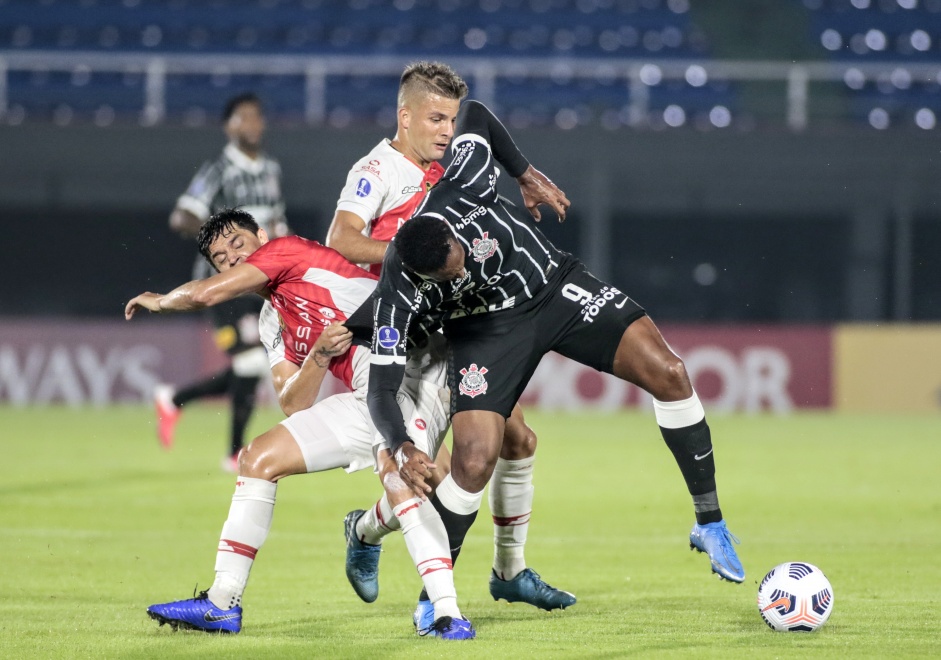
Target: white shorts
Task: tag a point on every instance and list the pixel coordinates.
(338, 431)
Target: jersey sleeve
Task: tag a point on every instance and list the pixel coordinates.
(277, 258)
(366, 187)
(269, 330)
(481, 140)
(398, 304)
(202, 191)
(279, 213)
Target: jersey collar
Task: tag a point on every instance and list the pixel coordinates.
(242, 161)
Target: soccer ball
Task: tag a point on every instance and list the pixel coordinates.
(795, 597)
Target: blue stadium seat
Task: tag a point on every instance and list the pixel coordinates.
(900, 31)
(447, 28)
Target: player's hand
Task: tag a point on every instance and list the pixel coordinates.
(149, 301)
(335, 340)
(538, 189)
(415, 468)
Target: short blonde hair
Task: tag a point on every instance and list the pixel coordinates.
(430, 78)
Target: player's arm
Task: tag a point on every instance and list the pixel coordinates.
(193, 207)
(184, 222)
(475, 118)
(200, 294)
(387, 368)
(389, 351)
(345, 235)
(298, 386)
(414, 466)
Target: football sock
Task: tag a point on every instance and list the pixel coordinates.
(455, 521)
(215, 385)
(243, 533)
(427, 543)
(378, 521)
(243, 405)
(684, 429)
(511, 503)
(458, 509)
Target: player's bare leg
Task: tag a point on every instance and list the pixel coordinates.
(643, 358)
(271, 457)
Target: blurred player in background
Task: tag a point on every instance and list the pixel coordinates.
(245, 177)
(382, 191)
(310, 291)
(507, 296)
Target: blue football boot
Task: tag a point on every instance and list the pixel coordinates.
(424, 615)
(450, 629)
(362, 560)
(528, 587)
(716, 540)
(197, 614)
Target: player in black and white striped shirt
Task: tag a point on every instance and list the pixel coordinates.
(243, 176)
(506, 296)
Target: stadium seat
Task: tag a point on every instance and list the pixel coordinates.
(599, 29)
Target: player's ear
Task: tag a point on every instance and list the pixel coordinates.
(262, 236)
(403, 116)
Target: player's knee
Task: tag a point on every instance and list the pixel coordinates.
(518, 442)
(474, 471)
(257, 464)
(673, 380)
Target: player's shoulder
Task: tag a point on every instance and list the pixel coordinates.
(395, 276)
(213, 166)
(382, 163)
(281, 246)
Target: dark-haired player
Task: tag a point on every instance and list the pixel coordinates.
(242, 176)
(507, 296)
(382, 190)
(310, 291)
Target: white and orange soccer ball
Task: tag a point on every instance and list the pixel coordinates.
(795, 597)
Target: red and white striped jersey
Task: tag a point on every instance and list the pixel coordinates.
(310, 287)
(384, 188)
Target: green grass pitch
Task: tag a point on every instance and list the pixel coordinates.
(97, 523)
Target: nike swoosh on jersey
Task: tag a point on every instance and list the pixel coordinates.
(210, 618)
(699, 458)
(622, 303)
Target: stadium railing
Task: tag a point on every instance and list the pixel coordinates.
(339, 90)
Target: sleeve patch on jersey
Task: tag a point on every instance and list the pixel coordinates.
(363, 188)
(388, 337)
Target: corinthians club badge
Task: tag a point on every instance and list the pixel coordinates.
(473, 381)
(483, 248)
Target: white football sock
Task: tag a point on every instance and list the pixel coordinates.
(456, 499)
(378, 521)
(679, 414)
(427, 543)
(511, 504)
(243, 533)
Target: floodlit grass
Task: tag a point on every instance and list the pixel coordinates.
(97, 523)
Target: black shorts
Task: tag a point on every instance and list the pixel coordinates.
(493, 356)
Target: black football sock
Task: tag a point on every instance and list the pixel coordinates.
(243, 404)
(456, 526)
(692, 449)
(215, 385)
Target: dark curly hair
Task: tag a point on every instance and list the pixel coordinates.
(423, 244)
(233, 104)
(223, 223)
